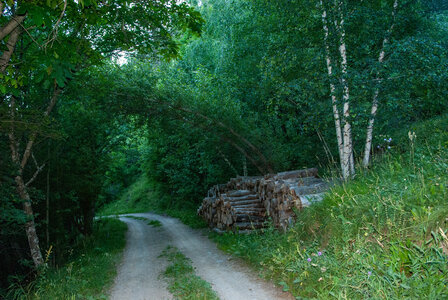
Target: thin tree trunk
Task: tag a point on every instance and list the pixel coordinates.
(47, 211)
(348, 169)
(30, 226)
(334, 102)
(244, 166)
(228, 162)
(369, 134)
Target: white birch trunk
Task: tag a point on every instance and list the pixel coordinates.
(348, 161)
(337, 120)
(369, 134)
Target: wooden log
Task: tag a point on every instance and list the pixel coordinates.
(297, 174)
(244, 202)
(242, 198)
(238, 193)
(311, 189)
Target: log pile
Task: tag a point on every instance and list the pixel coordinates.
(245, 203)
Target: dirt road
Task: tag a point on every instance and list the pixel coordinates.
(138, 274)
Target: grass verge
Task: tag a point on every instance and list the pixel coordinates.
(380, 236)
(183, 283)
(90, 271)
(153, 223)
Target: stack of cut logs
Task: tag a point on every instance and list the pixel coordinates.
(245, 203)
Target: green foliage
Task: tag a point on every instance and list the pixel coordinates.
(377, 237)
(183, 282)
(79, 278)
(143, 197)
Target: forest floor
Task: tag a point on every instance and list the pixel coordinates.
(139, 274)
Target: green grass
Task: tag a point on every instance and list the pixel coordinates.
(138, 198)
(377, 237)
(183, 283)
(141, 198)
(89, 272)
(137, 218)
(154, 223)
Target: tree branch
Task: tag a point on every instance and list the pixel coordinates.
(54, 32)
(39, 169)
(11, 25)
(11, 44)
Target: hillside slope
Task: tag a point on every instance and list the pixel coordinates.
(383, 235)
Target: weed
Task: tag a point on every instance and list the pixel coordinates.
(154, 223)
(183, 283)
(79, 279)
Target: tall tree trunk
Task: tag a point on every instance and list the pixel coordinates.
(349, 168)
(334, 101)
(373, 111)
(30, 226)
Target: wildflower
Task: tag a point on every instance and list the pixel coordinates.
(319, 253)
(309, 259)
(369, 273)
(388, 147)
(320, 279)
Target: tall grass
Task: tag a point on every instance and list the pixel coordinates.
(89, 272)
(380, 236)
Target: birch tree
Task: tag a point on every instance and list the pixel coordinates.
(343, 133)
(341, 109)
(375, 102)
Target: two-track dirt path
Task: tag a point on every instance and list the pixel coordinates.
(138, 274)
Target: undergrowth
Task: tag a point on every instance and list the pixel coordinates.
(89, 272)
(380, 236)
(142, 197)
(183, 283)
